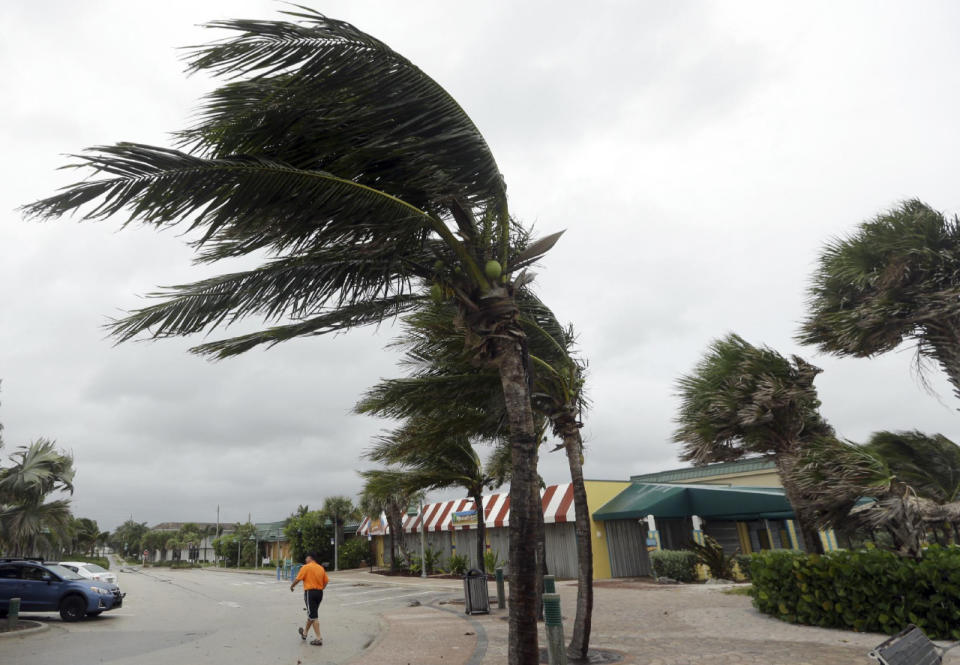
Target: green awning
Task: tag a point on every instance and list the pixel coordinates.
(667, 501)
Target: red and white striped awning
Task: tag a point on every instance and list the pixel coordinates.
(556, 501)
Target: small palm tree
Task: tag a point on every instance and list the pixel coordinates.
(339, 509)
(387, 491)
(366, 184)
(744, 400)
(895, 279)
(29, 524)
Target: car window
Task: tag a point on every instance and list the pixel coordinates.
(9, 572)
(73, 568)
(36, 573)
(63, 572)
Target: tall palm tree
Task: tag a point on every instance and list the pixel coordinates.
(339, 509)
(29, 523)
(744, 400)
(443, 385)
(895, 279)
(365, 182)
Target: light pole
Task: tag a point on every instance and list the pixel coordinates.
(423, 543)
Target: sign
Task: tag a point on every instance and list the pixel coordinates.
(464, 518)
(653, 543)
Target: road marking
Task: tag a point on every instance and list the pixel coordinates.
(228, 603)
(349, 594)
(377, 600)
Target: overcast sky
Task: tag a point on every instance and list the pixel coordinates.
(698, 154)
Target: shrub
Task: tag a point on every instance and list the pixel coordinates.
(743, 563)
(865, 590)
(458, 564)
(711, 555)
(680, 565)
(491, 561)
(432, 559)
(352, 552)
(183, 564)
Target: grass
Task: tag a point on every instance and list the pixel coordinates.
(739, 591)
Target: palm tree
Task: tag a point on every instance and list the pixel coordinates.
(387, 491)
(895, 279)
(339, 509)
(433, 457)
(445, 386)
(365, 182)
(29, 524)
(929, 464)
(744, 400)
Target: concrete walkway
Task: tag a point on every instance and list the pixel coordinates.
(649, 624)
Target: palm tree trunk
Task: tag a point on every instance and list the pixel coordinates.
(811, 536)
(542, 569)
(510, 353)
(481, 530)
(580, 639)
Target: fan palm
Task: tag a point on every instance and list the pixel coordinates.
(365, 181)
(929, 464)
(445, 386)
(387, 491)
(896, 279)
(744, 400)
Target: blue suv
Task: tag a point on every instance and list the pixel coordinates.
(48, 587)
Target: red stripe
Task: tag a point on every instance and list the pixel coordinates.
(463, 505)
(491, 502)
(547, 495)
(431, 512)
(502, 515)
(443, 515)
(565, 504)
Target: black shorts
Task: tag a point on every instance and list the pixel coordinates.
(312, 599)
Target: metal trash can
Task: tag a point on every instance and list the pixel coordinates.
(475, 596)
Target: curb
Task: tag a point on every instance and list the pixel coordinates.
(37, 627)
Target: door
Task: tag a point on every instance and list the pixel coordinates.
(40, 589)
(9, 584)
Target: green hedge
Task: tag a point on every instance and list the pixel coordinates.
(681, 565)
(743, 563)
(867, 590)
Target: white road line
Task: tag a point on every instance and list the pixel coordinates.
(228, 603)
(362, 593)
(377, 600)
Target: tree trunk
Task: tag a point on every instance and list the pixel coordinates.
(542, 569)
(811, 536)
(580, 639)
(481, 530)
(510, 355)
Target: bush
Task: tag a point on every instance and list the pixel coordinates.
(183, 564)
(458, 564)
(352, 552)
(680, 565)
(743, 563)
(491, 561)
(865, 590)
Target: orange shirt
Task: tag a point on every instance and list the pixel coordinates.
(313, 576)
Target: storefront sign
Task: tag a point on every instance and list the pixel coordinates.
(464, 518)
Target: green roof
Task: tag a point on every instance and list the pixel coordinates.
(707, 471)
(667, 500)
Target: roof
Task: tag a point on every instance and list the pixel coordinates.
(709, 470)
(458, 514)
(667, 500)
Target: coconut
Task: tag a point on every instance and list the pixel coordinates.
(493, 269)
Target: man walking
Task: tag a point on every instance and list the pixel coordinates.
(314, 579)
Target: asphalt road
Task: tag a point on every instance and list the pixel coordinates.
(215, 618)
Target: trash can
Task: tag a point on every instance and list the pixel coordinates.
(475, 596)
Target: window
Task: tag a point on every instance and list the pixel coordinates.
(9, 572)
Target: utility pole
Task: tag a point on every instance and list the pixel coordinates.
(423, 543)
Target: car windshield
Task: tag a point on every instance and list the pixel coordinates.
(65, 573)
(94, 568)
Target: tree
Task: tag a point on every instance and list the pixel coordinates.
(431, 457)
(930, 464)
(84, 532)
(29, 523)
(309, 531)
(366, 183)
(895, 279)
(743, 400)
(128, 537)
(339, 509)
(459, 398)
(387, 491)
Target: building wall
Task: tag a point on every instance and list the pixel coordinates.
(765, 478)
(600, 492)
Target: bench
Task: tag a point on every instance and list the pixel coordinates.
(910, 647)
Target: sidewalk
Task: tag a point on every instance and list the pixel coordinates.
(647, 623)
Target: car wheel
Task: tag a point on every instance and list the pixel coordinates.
(73, 608)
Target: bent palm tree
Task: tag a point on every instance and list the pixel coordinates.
(365, 181)
(445, 386)
(929, 464)
(743, 400)
(897, 278)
